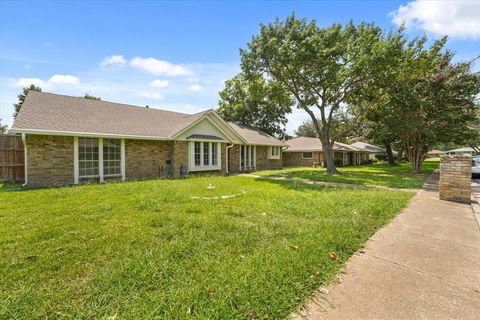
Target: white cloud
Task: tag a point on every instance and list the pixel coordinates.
(59, 79)
(195, 87)
(55, 80)
(26, 82)
(117, 60)
(151, 95)
(457, 19)
(159, 83)
(160, 67)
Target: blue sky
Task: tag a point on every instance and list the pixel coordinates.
(177, 55)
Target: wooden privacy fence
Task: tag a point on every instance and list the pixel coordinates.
(12, 159)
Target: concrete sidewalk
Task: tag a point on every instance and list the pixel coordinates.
(425, 264)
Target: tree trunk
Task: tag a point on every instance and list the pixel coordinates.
(416, 155)
(329, 158)
(390, 159)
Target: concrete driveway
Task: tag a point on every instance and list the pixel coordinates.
(425, 264)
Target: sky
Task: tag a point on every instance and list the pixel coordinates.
(177, 55)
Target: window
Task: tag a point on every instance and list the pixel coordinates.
(214, 154)
(111, 157)
(247, 157)
(98, 158)
(204, 156)
(307, 155)
(198, 147)
(274, 153)
(88, 157)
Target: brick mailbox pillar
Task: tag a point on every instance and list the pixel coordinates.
(455, 178)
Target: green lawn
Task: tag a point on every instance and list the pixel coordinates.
(377, 174)
(148, 250)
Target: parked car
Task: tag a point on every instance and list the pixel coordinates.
(476, 166)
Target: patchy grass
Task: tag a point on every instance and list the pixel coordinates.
(148, 250)
(377, 174)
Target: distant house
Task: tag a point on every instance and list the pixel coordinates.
(464, 150)
(435, 153)
(304, 151)
(70, 140)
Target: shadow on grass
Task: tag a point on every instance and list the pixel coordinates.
(302, 187)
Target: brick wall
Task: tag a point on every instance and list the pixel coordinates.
(295, 159)
(147, 159)
(49, 161)
(455, 178)
(263, 163)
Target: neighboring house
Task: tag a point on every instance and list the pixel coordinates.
(435, 153)
(304, 151)
(465, 150)
(372, 150)
(69, 140)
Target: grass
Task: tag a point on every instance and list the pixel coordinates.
(377, 174)
(148, 250)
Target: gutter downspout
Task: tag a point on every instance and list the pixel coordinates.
(24, 140)
(226, 157)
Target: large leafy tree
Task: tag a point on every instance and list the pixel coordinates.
(3, 127)
(306, 129)
(256, 102)
(21, 97)
(322, 69)
(421, 98)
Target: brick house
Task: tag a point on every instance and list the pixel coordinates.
(304, 151)
(70, 140)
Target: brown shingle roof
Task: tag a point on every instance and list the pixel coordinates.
(256, 136)
(302, 144)
(368, 147)
(50, 112)
(53, 112)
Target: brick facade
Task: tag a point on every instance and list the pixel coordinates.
(455, 178)
(295, 159)
(262, 161)
(49, 160)
(147, 159)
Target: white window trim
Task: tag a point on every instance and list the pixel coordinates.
(202, 167)
(307, 158)
(101, 175)
(274, 157)
(250, 155)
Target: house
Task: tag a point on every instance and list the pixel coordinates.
(435, 153)
(70, 140)
(305, 151)
(464, 150)
(372, 150)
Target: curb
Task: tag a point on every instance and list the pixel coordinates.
(476, 201)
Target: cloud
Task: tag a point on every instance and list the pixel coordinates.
(195, 87)
(59, 79)
(26, 82)
(55, 80)
(160, 67)
(117, 60)
(151, 95)
(457, 19)
(47, 44)
(159, 83)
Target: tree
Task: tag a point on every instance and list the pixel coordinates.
(87, 96)
(3, 127)
(255, 102)
(306, 129)
(427, 99)
(322, 69)
(21, 97)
